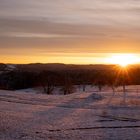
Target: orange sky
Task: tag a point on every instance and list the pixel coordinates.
(72, 58)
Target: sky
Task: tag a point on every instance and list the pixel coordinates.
(68, 31)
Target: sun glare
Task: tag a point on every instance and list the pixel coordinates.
(123, 59)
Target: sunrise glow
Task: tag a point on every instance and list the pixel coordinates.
(123, 59)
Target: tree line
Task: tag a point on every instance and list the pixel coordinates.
(66, 79)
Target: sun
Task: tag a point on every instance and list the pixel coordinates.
(123, 59)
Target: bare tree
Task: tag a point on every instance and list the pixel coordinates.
(113, 83)
(47, 82)
(67, 87)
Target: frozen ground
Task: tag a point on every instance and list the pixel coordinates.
(79, 116)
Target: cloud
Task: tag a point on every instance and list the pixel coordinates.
(104, 12)
(36, 35)
(88, 25)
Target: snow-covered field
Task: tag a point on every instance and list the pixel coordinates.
(86, 115)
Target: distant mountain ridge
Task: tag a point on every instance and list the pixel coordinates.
(60, 66)
(37, 67)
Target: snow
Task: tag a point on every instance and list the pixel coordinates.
(82, 115)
